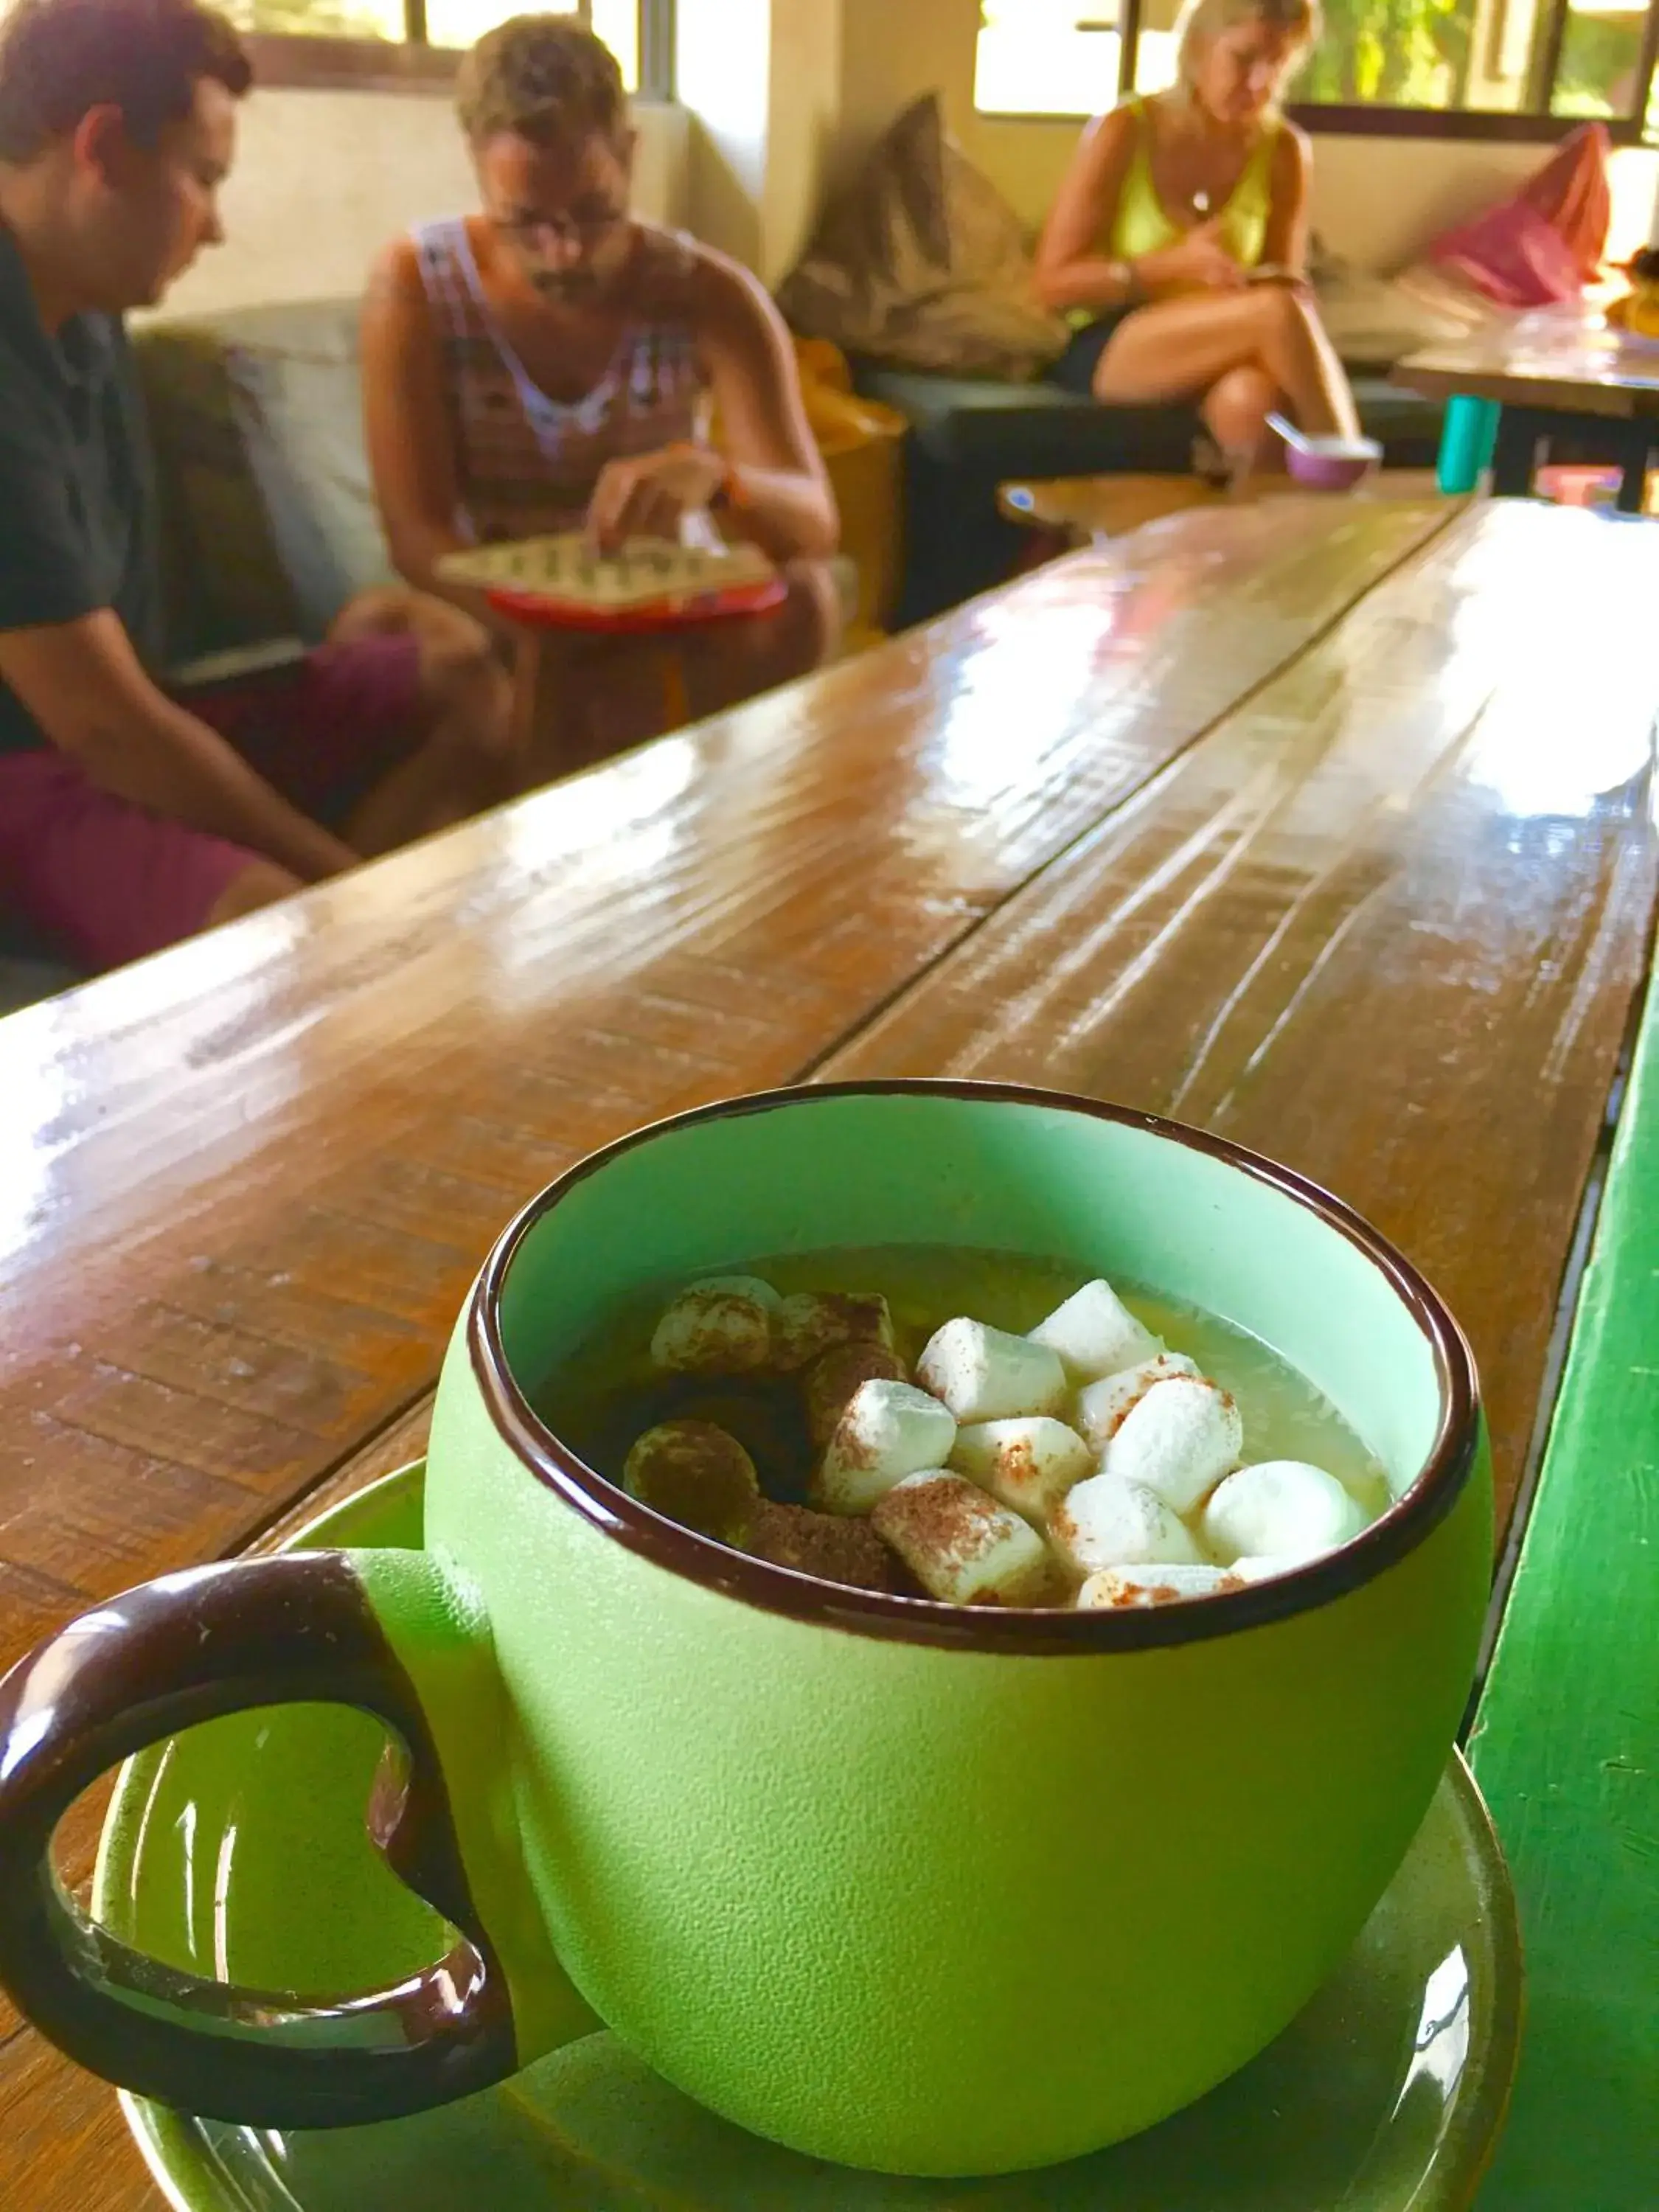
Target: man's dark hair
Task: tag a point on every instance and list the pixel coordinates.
(60, 59)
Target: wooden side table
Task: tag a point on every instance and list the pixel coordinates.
(549, 723)
(1559, 369)
(548, 672)
(1088, 510)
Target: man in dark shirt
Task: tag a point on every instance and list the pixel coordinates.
(127, 820)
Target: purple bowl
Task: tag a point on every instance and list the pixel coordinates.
(1328, 471)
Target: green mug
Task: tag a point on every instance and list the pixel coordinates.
(928, 1890)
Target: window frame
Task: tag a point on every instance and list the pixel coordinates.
(294, 61)
(1530, 127)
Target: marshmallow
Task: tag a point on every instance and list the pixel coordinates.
(1178, 1441)
(823, 1545)
(986, 1375)
(720, 1325)
(1283, 1507)
(888, 1430)
(1116, 1587)
(809, 1322)
(1261, 1567)
(1101, 1407)
(1028, 1464)
(1095, 1334)
(961, 1546)
(828, 1384)
(697, 1475)
(1109, 1522)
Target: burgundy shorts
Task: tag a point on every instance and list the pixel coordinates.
(105, 881)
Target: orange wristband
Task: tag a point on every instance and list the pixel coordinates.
(729, 492)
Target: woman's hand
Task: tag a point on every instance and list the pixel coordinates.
(648, 494)
(1198, 262)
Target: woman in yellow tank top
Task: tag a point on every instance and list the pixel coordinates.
(1178, 239)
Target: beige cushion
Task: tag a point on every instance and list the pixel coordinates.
(1375, 321)
(923, 263)
(1455, 306)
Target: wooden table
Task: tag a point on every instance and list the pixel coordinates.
(1085, 510)
(1547, 371)
(1324, 824)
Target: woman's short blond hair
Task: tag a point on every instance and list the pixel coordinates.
(1200, 20)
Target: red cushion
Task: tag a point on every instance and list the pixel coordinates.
(1547, 242)
(1571, 193)
(1513, 256)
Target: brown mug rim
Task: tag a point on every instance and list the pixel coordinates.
(1028, 1631)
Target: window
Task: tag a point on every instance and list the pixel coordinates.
(358, 41)
(1032, 52)
(1464, 68)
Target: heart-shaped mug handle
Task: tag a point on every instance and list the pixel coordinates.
(194, 1646)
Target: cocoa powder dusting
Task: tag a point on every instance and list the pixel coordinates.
(834, 1549)
(947, 1520)
(1020, 1463)
(944, 1526)
(697, 1475)
(833, 1377)
(1133, 1594)
(813, 1325)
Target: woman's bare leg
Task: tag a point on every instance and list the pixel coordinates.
(1236, 409)
(1180, 348)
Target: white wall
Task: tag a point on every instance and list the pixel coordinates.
(323, 179)
(762, 82)
(784, 96)
(807, 122)
(1379, 199)
(722, 71)
(892, 49)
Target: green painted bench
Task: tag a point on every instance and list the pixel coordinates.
(1566, 1743)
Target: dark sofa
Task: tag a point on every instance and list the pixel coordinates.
(968, 435)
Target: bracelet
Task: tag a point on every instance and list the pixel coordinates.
(729, 492)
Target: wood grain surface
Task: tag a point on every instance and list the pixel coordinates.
(248, 1182)
(1563, 357)
(1258, 817)
(1386, 924)
(1081, 508)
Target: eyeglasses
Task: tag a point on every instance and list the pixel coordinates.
(542, 230)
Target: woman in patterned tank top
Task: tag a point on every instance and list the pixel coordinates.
(553, 363)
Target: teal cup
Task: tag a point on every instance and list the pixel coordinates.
(923, 1889)
(1468, 436)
